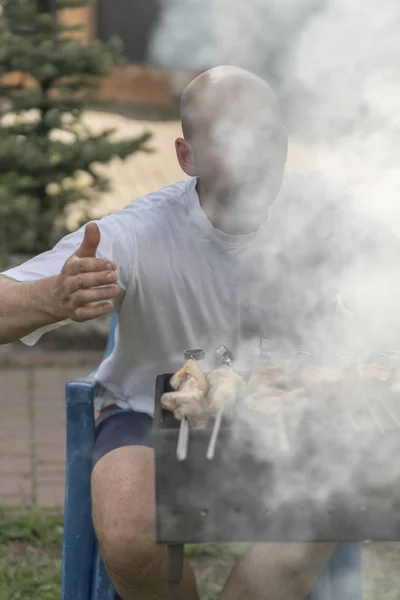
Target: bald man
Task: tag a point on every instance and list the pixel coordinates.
(240, 250)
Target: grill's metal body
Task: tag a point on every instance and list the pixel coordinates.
(339, 480)
(240, 495)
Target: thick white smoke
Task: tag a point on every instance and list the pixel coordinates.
(334, 65)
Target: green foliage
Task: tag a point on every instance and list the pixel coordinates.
(47, 157)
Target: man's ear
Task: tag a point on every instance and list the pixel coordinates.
(184, 154)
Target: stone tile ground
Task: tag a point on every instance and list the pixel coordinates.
(32, 433)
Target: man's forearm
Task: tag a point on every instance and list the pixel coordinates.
(25, 307)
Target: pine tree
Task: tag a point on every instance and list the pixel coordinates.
(47, 156)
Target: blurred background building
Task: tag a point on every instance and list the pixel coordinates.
(133, 21)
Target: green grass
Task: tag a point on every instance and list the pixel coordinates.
(25, 581)
(30, 555)
(43, 527)
(30, 560)
(209, 591)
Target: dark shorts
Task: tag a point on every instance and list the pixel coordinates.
(116, 428)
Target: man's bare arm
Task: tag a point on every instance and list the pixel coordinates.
(82, 291)
(25, 307)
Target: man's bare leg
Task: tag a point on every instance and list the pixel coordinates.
(278, 571)
(124, 520)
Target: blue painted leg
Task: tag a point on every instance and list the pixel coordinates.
(343, 576)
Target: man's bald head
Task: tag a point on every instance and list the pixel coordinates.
(228, 93)
(234, 143)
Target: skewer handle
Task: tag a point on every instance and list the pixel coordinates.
(282, 435)
(265, 351)
(183, 437)
(226, 357)
(194, 354)
(213, 440)
(183, 440)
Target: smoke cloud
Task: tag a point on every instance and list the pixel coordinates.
(334, 65)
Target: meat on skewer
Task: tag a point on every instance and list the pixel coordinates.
(312, 378)
(270, 393)
(269, 398)
(269, 401)
(374, 372)
(273, 390)
(269, 375)
(189, 398)
(223, 387)
(189, 370)
(271, 383)
(187, 402)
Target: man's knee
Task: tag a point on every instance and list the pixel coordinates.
(129, 551)
(124, 512)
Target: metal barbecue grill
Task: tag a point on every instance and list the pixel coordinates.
(332, 477)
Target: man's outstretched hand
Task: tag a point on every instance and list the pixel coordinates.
(78, 285)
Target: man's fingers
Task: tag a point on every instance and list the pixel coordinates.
(89, 265)
(90, 241)
(90, 280)
(83, 297)
(90, 311)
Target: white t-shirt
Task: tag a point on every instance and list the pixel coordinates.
(180, 279)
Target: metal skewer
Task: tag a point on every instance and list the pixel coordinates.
(375, 418)
(346, 361)
(390, 411)
(345, 413)
(265, 351)
(214, 435)
(266, 359)
(393, 357)
(332, 419)
(227, 359)
(282, 435)
(184, 427)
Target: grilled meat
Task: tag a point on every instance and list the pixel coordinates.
(197, 397)
(374, 372)
(270, 400)
(189, 398)
(223, 387)
(189, 370)
(270, 376)
(314, 378)
(270, 387)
